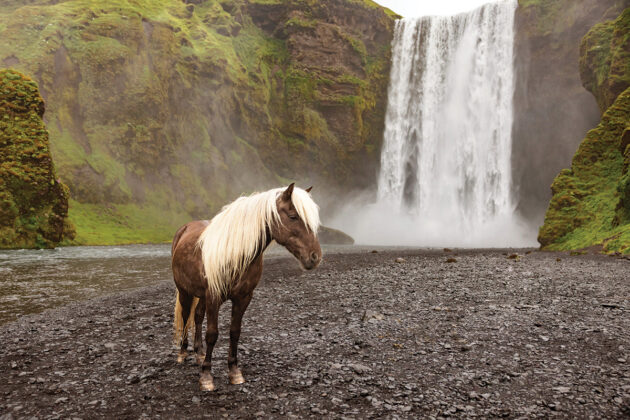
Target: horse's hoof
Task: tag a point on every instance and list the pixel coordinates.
(181, 357)
(236, 377)
(206, 383)
(200, 358)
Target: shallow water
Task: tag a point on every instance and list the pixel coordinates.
(34, 280)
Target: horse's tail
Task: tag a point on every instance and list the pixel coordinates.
(178, 319)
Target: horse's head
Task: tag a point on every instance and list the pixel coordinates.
(297, 230)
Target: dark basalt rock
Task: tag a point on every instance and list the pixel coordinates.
(332, 236)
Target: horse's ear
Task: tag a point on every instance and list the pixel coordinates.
(308, 190)
(286, 195)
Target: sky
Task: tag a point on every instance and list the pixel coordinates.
(412, 8)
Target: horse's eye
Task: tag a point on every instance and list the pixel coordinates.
(293, 217)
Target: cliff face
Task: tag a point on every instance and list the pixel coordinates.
(605, 60)
(33, 202)
(591, 200)
(553, 111)
(161, 111)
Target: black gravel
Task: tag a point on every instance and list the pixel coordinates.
(488, 334)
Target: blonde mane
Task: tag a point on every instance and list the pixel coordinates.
(236, 234)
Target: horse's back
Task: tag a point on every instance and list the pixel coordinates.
(186, 258)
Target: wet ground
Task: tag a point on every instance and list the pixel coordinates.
(482, 333)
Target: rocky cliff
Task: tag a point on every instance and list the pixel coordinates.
(591, 200)
(33, 202)
(605, 59)
(161, 111)
(553, 111)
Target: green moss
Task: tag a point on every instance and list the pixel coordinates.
(33, 203)
(374, 5)
(300, 23)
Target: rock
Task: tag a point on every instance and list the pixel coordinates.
(370, 315)
(400, 260)
(358, 368)
(330, 236)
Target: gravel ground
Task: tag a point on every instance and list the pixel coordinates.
(481, 333)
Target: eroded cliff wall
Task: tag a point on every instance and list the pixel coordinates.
(161, 111)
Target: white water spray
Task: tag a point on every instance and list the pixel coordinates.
(445, 175)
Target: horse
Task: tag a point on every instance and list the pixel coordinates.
(222, 259)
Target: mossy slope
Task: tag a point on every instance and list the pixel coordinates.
(33, 202)
(167, 110)
(591, 201)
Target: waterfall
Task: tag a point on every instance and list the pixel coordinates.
(445, 163)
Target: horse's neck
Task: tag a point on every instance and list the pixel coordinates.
(264, 243)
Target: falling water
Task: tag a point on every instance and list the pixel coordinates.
(445, 162)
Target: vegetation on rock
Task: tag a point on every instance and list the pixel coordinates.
(605, 59)
(552, 110)
(161, 111)
(591, 201)
(33, 202)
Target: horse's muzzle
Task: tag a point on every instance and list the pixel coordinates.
(312, 261)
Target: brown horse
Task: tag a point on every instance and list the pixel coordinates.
(222, 259)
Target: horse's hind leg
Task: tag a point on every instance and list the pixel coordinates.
(238, 309)
(206, 381)
(185, 301)
(200, 313)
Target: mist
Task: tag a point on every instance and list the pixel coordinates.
(379, 223)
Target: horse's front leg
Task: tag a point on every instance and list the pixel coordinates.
(239, 305)
(206, 382)
(200, 313)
